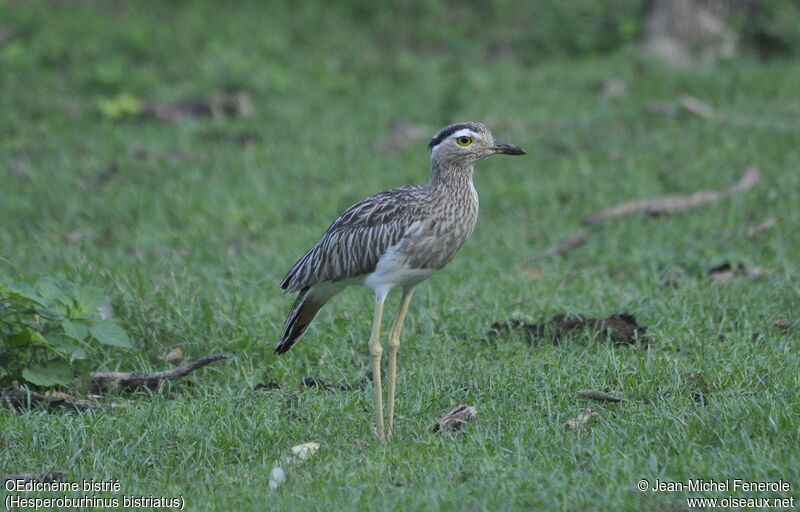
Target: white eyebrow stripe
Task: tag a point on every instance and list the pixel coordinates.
(462, 133)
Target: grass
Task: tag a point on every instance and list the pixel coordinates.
(190, 225)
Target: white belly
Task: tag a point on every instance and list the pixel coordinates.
(394, 271)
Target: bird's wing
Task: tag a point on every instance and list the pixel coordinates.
(355, 241)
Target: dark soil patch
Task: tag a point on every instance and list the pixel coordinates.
(240, 138)
(698, 387)
(724, 272)
(619, 328)
(267, 386)
(782, 324)
(52, 476)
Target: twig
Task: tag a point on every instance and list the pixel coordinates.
(600, 396)
(749, 179)
(217, 106)
(705, 111)
(102, 380)
(564, 246)
(696, 107)
(754, 231)
(454, 419)
(655, 206)
(579, 423)
(19, 398)
(666, 205)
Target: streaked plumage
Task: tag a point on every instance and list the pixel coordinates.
(395, 238)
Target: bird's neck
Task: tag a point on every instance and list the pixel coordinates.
(451, 177)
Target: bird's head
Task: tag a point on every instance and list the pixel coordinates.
(466, 143)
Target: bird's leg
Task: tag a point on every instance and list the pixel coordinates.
(394, 346)
(375, 351)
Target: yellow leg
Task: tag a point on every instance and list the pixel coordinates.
(394, 346)
(375, 351)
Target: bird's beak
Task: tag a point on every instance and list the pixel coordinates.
(504, 148)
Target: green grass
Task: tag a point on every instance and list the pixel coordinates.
(195, 226)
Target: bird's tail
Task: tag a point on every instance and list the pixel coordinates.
(306, 306)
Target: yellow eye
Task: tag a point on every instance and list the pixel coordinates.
(464, 141)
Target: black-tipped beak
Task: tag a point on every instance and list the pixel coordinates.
(504, 148)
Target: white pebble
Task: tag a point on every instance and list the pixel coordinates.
(276, 477)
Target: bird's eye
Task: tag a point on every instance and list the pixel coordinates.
(464, 141)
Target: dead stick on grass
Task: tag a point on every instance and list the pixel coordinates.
(600, 396)
(705, 111)
(696, 107)
(754, 231)
(564, 246)
(676, 203)
(664, 205)
(19, 398)
(101, 380)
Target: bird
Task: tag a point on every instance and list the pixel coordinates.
(394, 239)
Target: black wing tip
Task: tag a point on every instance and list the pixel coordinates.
(290, 337)
(292, 330)
(287, 343)
(287, 340)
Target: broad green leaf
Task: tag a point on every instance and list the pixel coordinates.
(59, 294)
(25, 293)
(19, 339)
(24, 338)
(108, 332)
(65, 348)
(78, 353)
(89, 300)
(53, 289)
(51, 374)
(76, 330)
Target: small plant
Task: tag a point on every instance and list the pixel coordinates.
(121, 106)
(52, 329)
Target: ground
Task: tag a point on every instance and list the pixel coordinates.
(189, 226)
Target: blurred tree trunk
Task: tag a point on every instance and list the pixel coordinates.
(681, 31)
